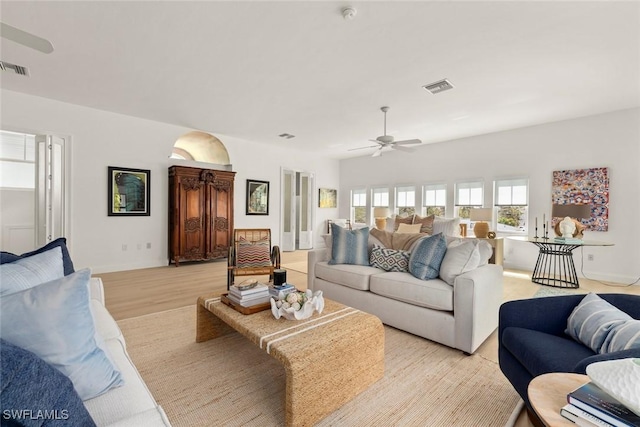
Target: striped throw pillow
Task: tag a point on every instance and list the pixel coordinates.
(253, 254)
(349, 246)
(602, 327)
(426, 257)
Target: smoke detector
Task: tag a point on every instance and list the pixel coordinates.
(348, 13)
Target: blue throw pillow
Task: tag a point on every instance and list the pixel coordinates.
(54, 321)
(426, 257)
(25, 273)
(603, 327)
(61, 242)
(34, 393)
(349, 246)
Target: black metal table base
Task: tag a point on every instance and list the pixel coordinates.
(555, 266)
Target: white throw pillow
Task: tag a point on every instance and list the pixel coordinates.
(25, 273)
(461, 256)
(446, 226)
(409, 228)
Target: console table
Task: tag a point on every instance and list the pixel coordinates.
(555, 266)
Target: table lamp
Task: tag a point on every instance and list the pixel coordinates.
(380, 215)
(480, 216)
(570, 226)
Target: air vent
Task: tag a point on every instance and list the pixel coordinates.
(18, 69)
(286, 135)
(439, 86)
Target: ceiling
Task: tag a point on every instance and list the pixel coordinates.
(254, 70)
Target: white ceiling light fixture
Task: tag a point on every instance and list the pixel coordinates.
(385, 140)
(348, 13)
(439, 86)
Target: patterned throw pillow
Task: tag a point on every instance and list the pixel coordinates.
(427, 256)
(400, 220)
(349, 246)
(426, 223)
(253, 254)
(603, 327)
(389, 259)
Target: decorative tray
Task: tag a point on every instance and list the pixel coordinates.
(245, 310)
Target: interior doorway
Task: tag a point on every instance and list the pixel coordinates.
(33, 193)
(297, 210)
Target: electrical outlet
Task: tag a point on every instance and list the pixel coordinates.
(148, 245)
(590, 257)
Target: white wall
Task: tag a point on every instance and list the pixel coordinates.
(17, 217)
(609, 140)
(100, 139)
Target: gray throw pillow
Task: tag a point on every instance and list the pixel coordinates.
(349, 246)
(426, 257)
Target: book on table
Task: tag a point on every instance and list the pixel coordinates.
(256, 290)
(251, 300)
(285, 288)
(581, 418)
(592, 399)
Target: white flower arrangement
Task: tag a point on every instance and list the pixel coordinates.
(297, 305)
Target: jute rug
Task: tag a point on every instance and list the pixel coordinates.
(230, 382)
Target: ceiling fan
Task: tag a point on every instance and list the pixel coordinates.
(24, 38)
(387, 140)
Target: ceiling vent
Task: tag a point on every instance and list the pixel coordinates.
(286, 135)
(18, 69)
(439, 86)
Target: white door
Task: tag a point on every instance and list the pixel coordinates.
(305, 222)
(50, 188)
(288, 209)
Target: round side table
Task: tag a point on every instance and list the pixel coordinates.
(548, 394)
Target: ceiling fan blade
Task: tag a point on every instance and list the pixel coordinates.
(26, 39)
(362, 148)
(409, 142)
(401, 148)
(377, 153)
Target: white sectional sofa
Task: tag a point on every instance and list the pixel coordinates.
(131, 404)
(461, 315)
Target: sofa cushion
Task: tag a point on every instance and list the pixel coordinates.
(25, 273)
(349, 246)
(105, 325)
(54, 321)
(427, 256)
(353, 276)
(28, 383)
(389, 259)
(434, 294)
(603, 327)
(461, 256)
(408, 229)
(541, 353)
(426, 223)
(59, 242)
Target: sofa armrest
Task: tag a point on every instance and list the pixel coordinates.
(315, 256)
(623, 354)
(96, 289)
(477, 296)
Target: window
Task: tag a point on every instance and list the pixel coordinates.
(379, 198)
(435, 199)
(359, 206)
(469, 195)
(406, 200)
(512, 201)
(17, 160)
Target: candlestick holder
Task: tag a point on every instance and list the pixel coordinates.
(536, 235)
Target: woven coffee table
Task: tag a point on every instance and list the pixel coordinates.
(328, 358)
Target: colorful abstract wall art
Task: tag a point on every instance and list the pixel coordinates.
(581, 186)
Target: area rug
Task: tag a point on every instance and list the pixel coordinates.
(230, 382)
(546, 291)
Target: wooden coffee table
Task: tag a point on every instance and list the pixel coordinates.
(548, 394)
(328, 358)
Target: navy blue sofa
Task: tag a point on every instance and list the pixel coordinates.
(532, 341)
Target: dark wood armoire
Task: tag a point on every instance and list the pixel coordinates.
(200, 214)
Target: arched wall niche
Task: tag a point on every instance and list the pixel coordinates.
(201, 147)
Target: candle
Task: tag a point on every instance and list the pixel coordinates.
(536, 222)
(544, 219)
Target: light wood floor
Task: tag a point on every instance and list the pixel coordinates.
(138, 292)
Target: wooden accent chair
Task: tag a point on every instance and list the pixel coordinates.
(251, 254)
(344, 223)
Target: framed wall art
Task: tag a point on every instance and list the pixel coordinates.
(257, 197)
(328, 198)
(584, 186)
(129, 192)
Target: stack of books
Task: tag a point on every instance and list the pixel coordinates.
(568, 240)
(285, 288)
(589, 406)
(259, 294)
